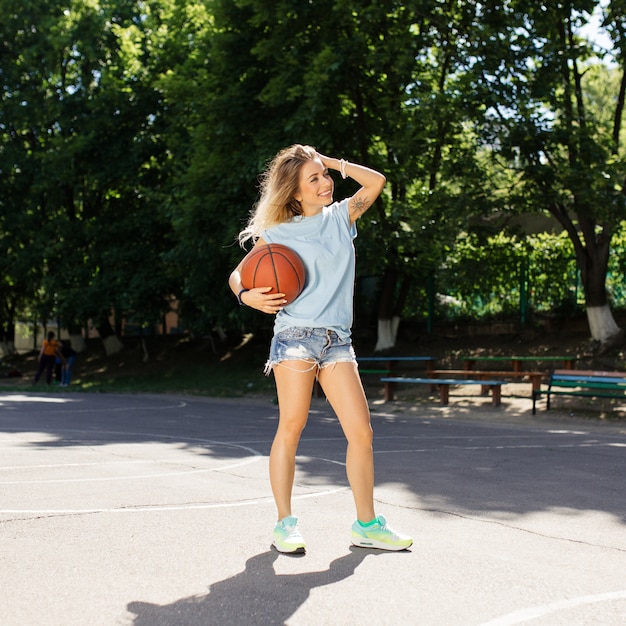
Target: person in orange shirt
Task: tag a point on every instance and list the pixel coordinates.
(50, 350)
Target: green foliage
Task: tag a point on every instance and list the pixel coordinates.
(83, 156)
(132, 135)
(485, 279)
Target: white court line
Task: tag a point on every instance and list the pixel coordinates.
(531, 613)
(143, 407)
(256, 456)
(12, 468)
(125, 433)
(159, 508)
(504, 447)
(254, 459)
(157, 407)
(22, 398)
(224, 468)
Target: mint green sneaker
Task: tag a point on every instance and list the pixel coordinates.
(287, 537)
(380, 536)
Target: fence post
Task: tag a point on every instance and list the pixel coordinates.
(523, 293)
(430, 291)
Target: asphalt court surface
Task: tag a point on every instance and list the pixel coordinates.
(147, 509)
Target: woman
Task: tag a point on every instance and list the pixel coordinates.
(50, 351)
(312, 334)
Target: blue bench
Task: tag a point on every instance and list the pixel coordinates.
(586, 383)
(535, 378)
(443, 385)
(385, 365)
(390, 363)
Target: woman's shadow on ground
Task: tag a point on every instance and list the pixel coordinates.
(255, 596)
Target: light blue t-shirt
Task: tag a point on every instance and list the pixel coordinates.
(325, 244)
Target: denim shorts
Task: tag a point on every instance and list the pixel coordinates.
(321, 346)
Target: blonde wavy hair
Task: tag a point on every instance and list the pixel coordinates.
(279, 184)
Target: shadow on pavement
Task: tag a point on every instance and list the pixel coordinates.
(255, 596)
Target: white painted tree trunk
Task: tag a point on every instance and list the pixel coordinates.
(7, 348)
(602, 323)
(387, 333)
(78, 343)
(112, 345)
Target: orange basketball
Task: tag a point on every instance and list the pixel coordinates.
(276, 266)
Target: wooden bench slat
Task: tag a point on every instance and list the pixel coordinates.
(441, 381)
(593, 373)
(396, 358)
(390, 362)
(601, 383)
(534, 377)
(444, 386)
(517, 360)
(512, 373)
(589, 393)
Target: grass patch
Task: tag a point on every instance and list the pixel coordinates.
(161, 365)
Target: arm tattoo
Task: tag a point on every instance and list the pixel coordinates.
(358, 205)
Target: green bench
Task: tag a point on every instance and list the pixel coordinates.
(443, 385)
(586, 383)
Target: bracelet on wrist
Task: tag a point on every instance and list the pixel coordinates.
(342, 168)
(241, 302)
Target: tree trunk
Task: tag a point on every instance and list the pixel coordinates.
(112, 343)
(593, 261)
(7, 346)
(387, 333)
(602, 324)
(390, 308)
(77, 341)
(386, 337)
(592, 255)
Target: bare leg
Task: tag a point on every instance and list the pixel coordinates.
(294, 385)
(342, 385)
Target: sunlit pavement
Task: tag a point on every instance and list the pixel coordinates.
(146, 509)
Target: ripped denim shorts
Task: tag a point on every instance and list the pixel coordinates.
(321, 346)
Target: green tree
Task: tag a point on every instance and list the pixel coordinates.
(377, 82)
(546, 123)
(83, 152)
(133, 134)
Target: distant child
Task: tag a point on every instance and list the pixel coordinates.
(69, 354)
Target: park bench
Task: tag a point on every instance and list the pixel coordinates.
(587, 383)
(443, 385)
(518, 362)
(535, 378)
(387, 366)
